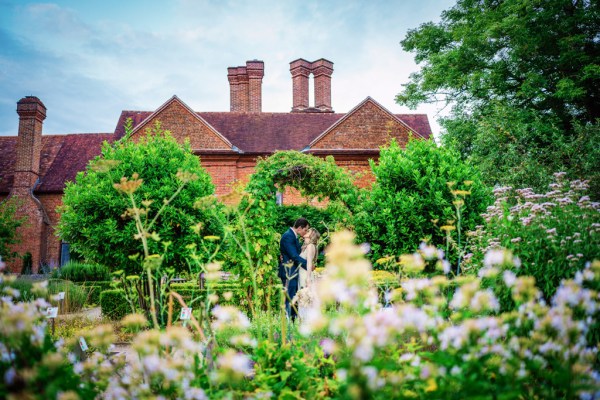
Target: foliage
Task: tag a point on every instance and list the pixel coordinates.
(523, 78)
(417, 193)
(252, 246)
(554, 234)
(32, 366)
(518, 147)
(8, 227)
(75, 296)
(425, 345)
(94, 288)
(82, 272)
(333, 217)
(96, 219)
(113, 304)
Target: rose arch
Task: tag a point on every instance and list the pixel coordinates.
(311, 176)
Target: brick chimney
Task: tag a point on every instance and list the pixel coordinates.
(322, 70)
(32, 113)
(256, 71)
(245, 87)
(300, 70)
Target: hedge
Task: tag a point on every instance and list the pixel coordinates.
(114, 304)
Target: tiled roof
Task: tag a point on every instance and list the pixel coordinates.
(61, 158)
(64, 155)
(76, 150)
(268, 132)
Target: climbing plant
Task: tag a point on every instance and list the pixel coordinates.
(253, 229)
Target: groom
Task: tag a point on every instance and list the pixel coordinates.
(290, 260)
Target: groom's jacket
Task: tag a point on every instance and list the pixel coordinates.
(289, 246)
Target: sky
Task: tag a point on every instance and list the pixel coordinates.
(89, 60)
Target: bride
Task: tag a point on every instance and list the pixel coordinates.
(309, 253)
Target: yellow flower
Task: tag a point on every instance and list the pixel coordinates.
(468, 183)
(431, 385)
(450, 184)
(129, 186)
(448, 228)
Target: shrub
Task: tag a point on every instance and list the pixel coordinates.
(114, 304)
(414, 191)
(8, 227)
(554, 234)
(94, 216)
(82, 272)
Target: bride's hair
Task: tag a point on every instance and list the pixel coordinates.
(313, 238)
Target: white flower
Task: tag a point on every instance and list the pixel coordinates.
(509, 278)
(237, 363)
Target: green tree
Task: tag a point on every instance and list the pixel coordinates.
(413, 198)
(95, 219)
(522, 76)
(8, 228)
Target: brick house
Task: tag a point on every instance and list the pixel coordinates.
(35, 167)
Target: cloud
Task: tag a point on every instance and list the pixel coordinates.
(88, 62)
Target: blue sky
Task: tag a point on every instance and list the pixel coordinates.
(88, 60)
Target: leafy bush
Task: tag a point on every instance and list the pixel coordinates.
(8, 227)
(554, 234)
(414, 190)
(97, 219)
(114, 304)
(82, 272)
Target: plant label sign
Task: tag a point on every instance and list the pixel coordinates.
(61, 295)
(83, 344)
(186, 313)
(51, 312)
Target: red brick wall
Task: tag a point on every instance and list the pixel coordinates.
(368, 127)
(184, 125)
(51, 203)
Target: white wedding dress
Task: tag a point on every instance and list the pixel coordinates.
(306, 281)
(303, 276)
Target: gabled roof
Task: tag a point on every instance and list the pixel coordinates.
(354, 110)
(264, 133)
(167, 104)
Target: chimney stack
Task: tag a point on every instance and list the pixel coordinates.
(32, 113)
(300, 70)
(245, 87)
(256, 71)
(322, 70)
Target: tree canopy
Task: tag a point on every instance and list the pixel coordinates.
(522, 77)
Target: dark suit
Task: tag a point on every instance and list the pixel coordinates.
(289, 246)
